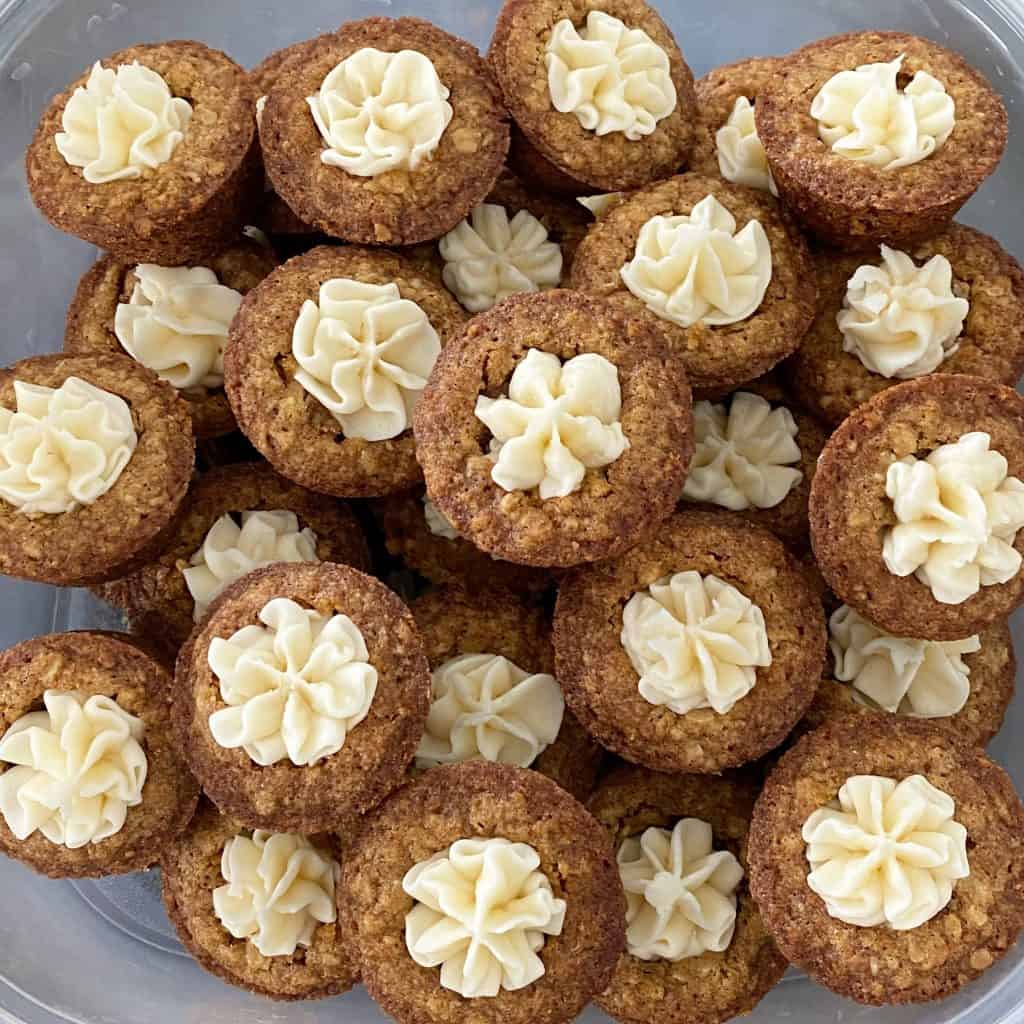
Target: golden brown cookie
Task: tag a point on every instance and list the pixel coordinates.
(602, 686)
(832, 382)
(477, 800)
(192, 870)
(426, 542)
(298, 786)
(604, 159)
(292, 428)
(455, 622)
(110, 282)
(713, 986)
(96, 669)
(193, 204)
(718, 357)
(879, 964)
(128, 523)
(156, 597)
(538, 172)
(851, 515)
(850, 203)
(394, 207)
(614, 504)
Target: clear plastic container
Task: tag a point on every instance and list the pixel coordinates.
(103, 952)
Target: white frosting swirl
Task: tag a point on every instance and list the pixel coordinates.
(901, 320)
(176, 323)
(957, 516)
(63, 447)
(864, 115)
(485, 706)
(680, 892)
(599, 205)
(279, 889)
(489, 257)
(79, 767)
(886, 853)
(695, 641)
(482, 913)
(229, 551)
(365, 354)
(121, 123)
(558, 421)
(744, 453)
(437, 524)
(923, 678)
(741, 157)
(380, 112)
(295, 687)
(697, 268)
(610, 77)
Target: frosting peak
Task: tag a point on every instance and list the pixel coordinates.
(741, 157)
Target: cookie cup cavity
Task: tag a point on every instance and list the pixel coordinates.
(193, 204)
(128, 524)
(848, 203)
(334, 791)
(850, 513)
(615, 506)
(601, 685)
(880, 965)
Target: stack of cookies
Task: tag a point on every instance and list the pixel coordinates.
(566, 517)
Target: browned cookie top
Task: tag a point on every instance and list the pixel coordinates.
(334, 790)
(832, 383)
(602, 686)
(396, 207)
(157, 596)
(615, 505)
(834, 194)
(851, 514)
(454, 621)
(716, 356)
(481, 800)
(191, 870)
(518, 56)
(712, 987)
(130, 214)
(110, 282)
(292, 429)
(123, 526)
(879, 964)
(101, 664)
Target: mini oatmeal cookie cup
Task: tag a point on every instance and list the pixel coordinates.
(448, 558)
(193, 204)
(156, 597)
(92, 663)
(602, 162)
(615, 506)
(717, 93)
(453, 621)
(712, 987)
(133, 520)
(396, 207)
(717, 357)
(191, 870)
(331, 793)
(880, 965)
(477, 800)
(788, 519)
(538, 172)
(848, 203)
(110, 282)
(831, 382)
(291, 428)
(850, 512)
(602, 686)
(993, 673)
